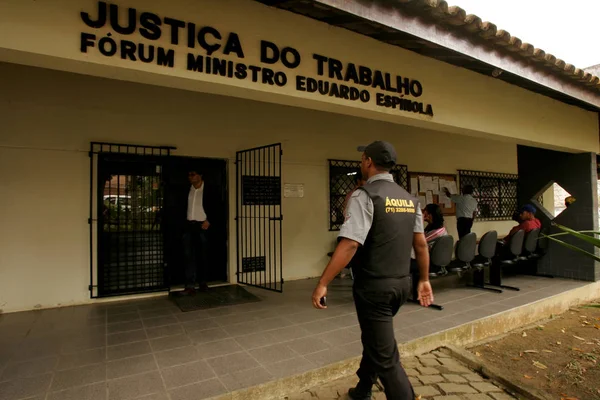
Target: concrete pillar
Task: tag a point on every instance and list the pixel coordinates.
(577, 174)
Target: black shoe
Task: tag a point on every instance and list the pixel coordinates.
(203, 287)
(357, 394)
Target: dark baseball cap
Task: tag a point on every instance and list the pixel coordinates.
(382, 153)
(528, 208)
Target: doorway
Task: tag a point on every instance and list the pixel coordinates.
(177, 188)
(137, 223)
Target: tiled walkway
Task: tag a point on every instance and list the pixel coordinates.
(150, 350)
(434, 376)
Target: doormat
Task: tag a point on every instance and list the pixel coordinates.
(219, 296)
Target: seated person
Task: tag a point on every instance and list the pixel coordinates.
(435, 229)
(432, 214)
(528, 221)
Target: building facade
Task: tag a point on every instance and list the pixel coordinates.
(200, 83)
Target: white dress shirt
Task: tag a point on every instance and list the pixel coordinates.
(195, 210)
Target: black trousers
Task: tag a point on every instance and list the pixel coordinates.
(377, 301)
(463, 226)
(195, 248)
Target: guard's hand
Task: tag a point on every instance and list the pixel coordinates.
(425, 293)
(205, 225)
(320, 291)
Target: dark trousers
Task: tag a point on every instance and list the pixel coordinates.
(464, 225)
(377, 301)
(195, 248)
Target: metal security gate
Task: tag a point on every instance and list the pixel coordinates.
(259, 218)
(126, 233)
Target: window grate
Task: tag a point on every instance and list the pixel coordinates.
(341, 182)
(496, 193)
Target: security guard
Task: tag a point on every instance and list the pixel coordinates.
(387, 221)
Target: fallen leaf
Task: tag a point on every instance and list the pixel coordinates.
(563, 330)
(547, 351)
(558, 343)
(539, 365)
(579, 338)
(577, 349)
(569, 398)
(597, 326)
(516, 359)
(527, 377)
(478, 354)
(531, 351)
(524, 334)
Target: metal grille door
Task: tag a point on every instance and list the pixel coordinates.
(129, 204)
(259, 218)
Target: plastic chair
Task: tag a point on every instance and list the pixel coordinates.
(441, 255)
(530, 244)
(486, 250)
(534, 249)
(465, 252)
(515, 248)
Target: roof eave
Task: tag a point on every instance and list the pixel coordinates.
(386, 20)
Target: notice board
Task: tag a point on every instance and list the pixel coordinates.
(427, 187)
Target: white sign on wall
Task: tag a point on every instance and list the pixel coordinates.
(293, 190)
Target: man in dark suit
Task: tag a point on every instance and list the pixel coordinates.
(195, 240)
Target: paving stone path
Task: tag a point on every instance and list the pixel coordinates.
(435, 376)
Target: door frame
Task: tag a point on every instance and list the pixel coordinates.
(162, 155)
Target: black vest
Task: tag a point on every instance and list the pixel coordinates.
(387, 249)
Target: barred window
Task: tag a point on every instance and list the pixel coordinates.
(342, 175)
(495, 192)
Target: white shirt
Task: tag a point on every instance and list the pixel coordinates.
(195, 211)
(466, 205)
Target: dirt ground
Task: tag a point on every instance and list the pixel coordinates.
(559, 357)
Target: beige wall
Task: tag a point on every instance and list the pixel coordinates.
(47, 34)
(50, 117)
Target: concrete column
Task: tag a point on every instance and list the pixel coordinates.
(577, 174)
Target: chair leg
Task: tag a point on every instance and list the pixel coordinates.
(496, 278)
(351, 273)
(479, 281)
(484, 287)
(502, 286)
